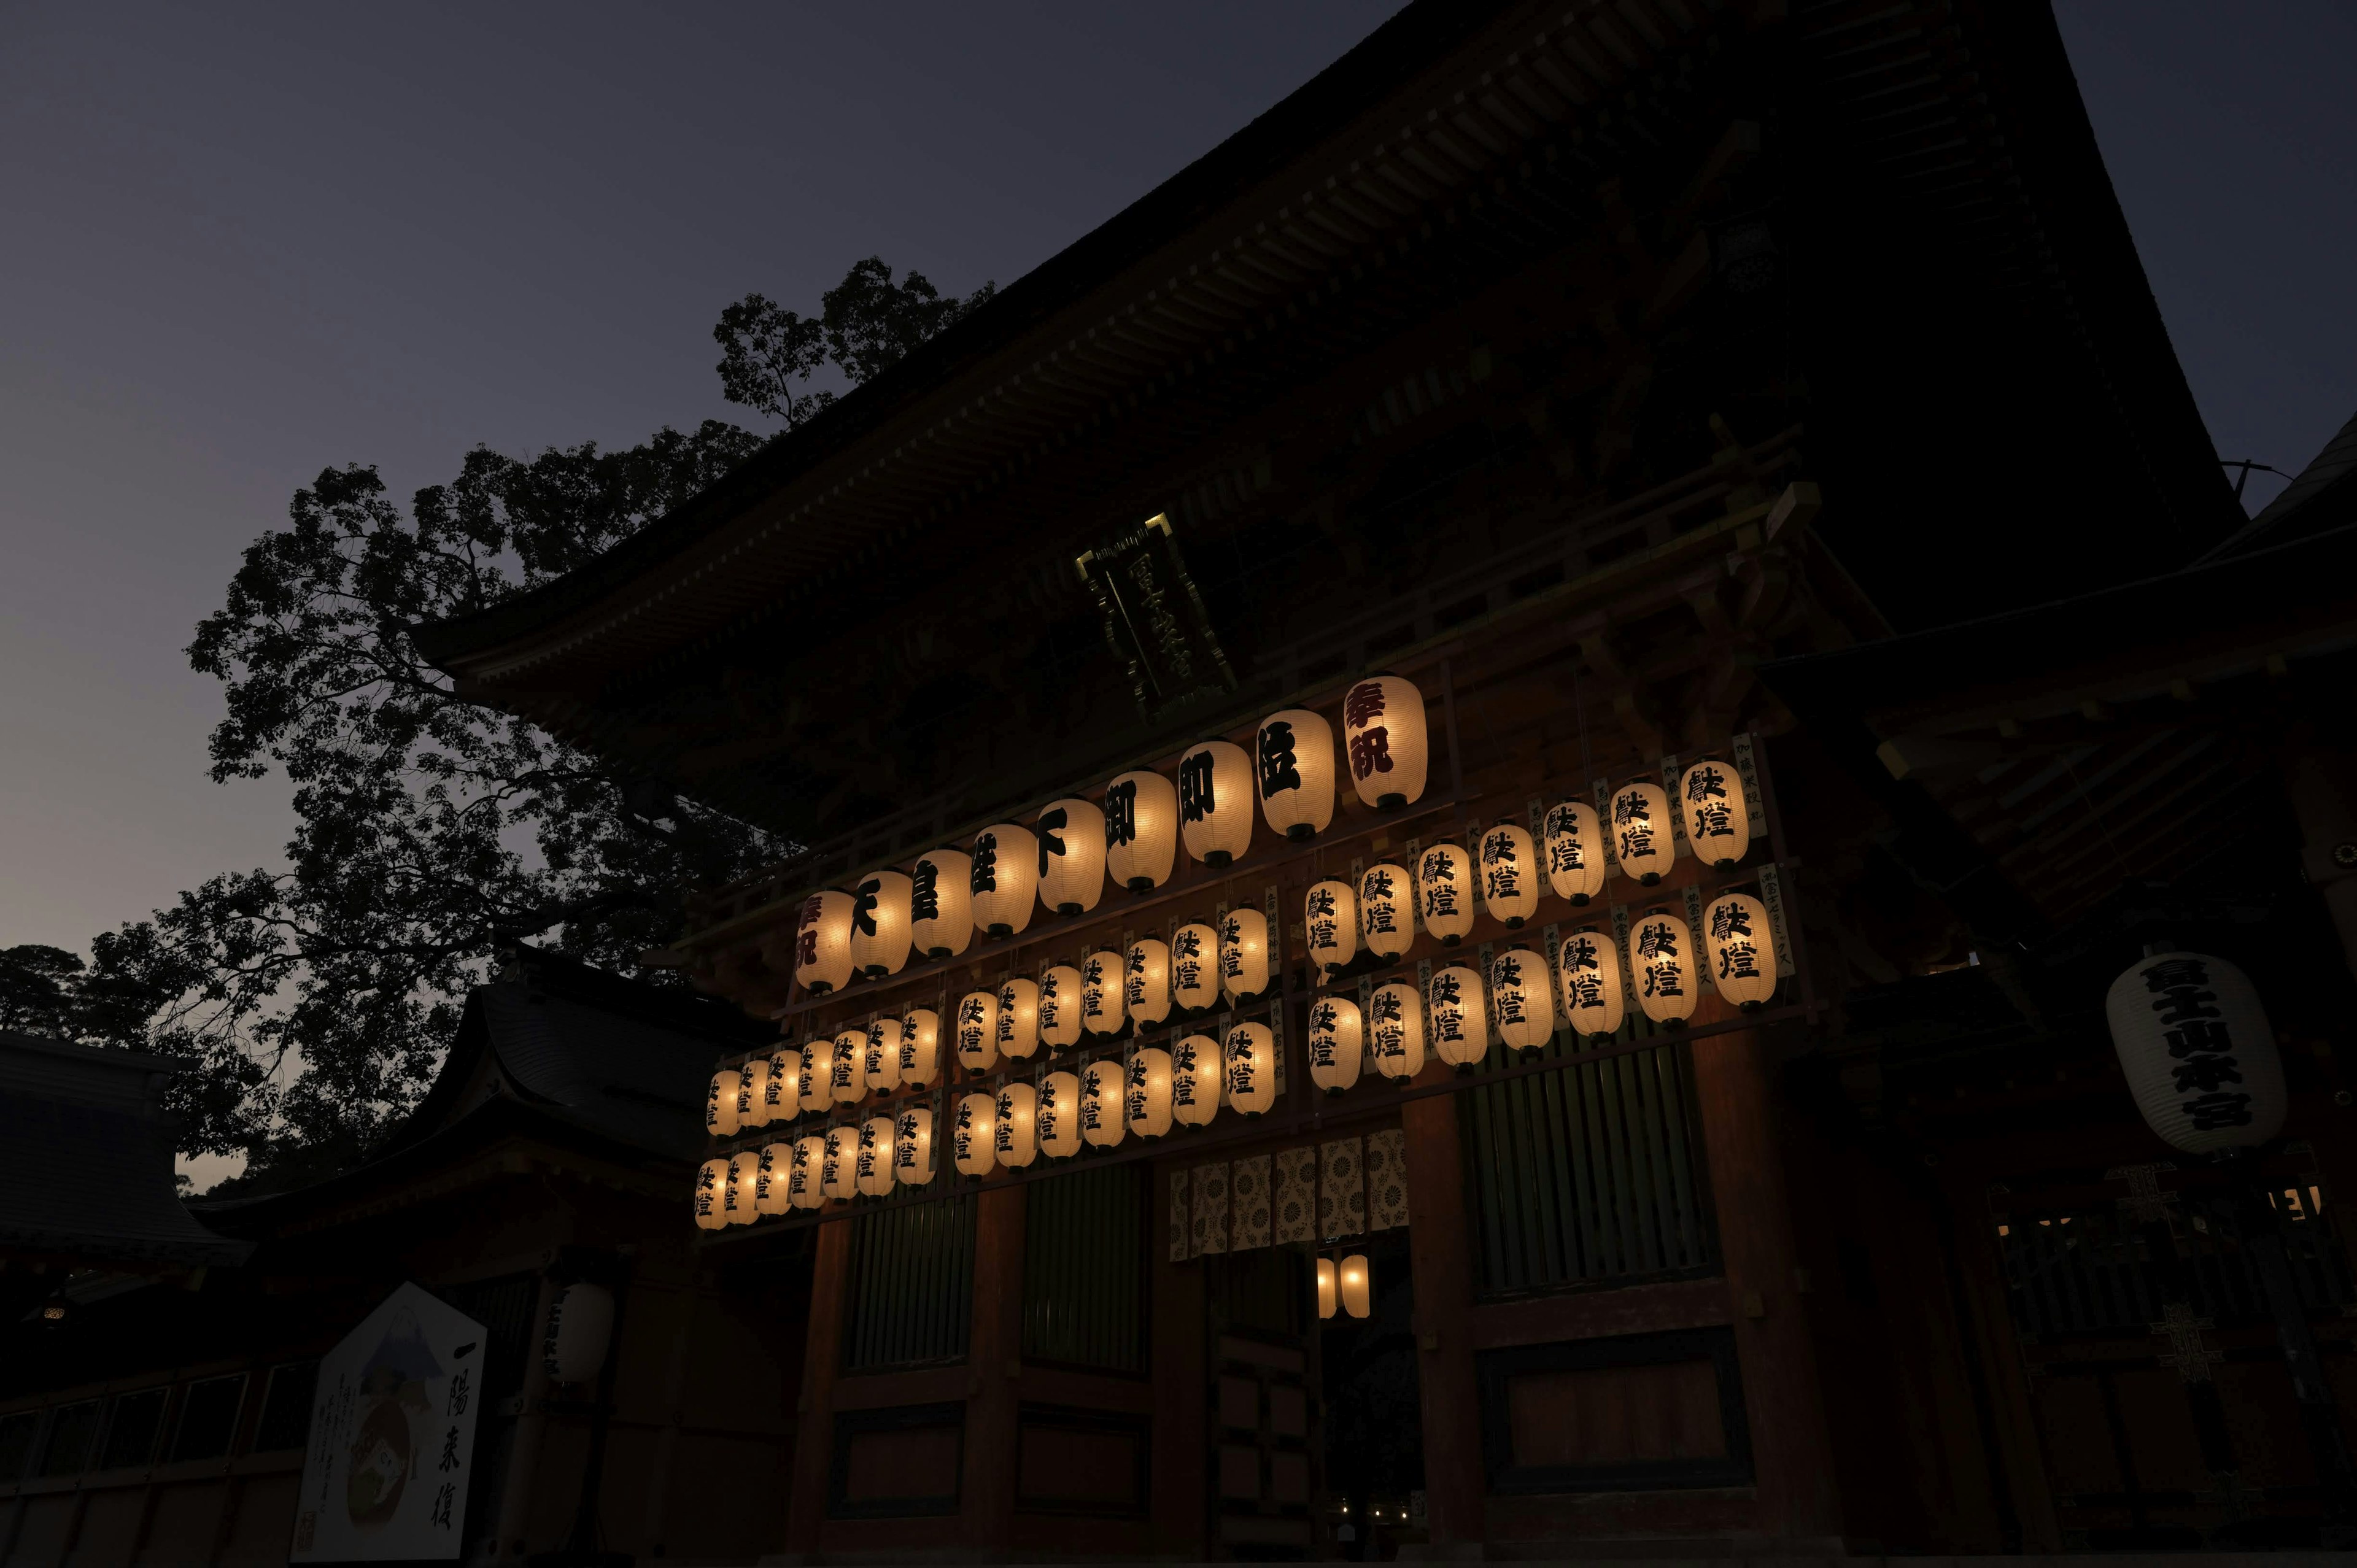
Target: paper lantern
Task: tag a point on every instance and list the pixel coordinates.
(1146, 1093)
(769, 1179)
(1195, 1080)
(838, 1169)
(1146, 981)
(1510, 875)
(1330, 923)
(1522, 999)
(753, 1093)
(720, 1103)
(1141, 813)
(1575, 852)
(873, 1165)
(1243, 954)
(880, 1061)
(783, 1093)
(1742, 950)
(1457, 1018)
(941, 903)
(1072, 856)
(1396, 1030)
(2200, 1058)
(711, 1180)
(814, 1085)
(1336, 1041)
(912, 1146)
(1353, 1285)
(881, 934)
(1102, 1122)
(1718, 822)
(920, 1046)
(1017, 1125)
(1057, 1119)
(1327, 1299)
(847, 1080)
(973, 1135)
(1444, 891)
(1006, 875)
(1060, 1006)
(823, 942)
(1019, 1017)
(1384, 737)
(977, 1031)
(737, 1198)
(804, 1185)
(1641, 835)
(1387, 909)
(1294, 754)
(1215, 801)
(1663, 967)
(1194, 967)
(1102, 984)
(1588, 969)
(1252, 1068)
(580, 1330)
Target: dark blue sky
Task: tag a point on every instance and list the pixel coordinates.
(240, 245)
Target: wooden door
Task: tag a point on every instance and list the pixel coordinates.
(1263, 1424)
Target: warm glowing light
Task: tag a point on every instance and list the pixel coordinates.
(1145, 1093)
(1194, 967)
(912, 1146)
(847, 1082)
(1510, 875)
(1522, 999)
(1019, 1017)
(1575, 852)
(1004, 877)
(1458, 1017)
(720, 1103)
(1072, 856)
(1215, 801)
(1057, 1119)
(1102, 1122)
(920, 1046)
(803, 1188)
(873, 1167)
(941, 903)
(1395, 1029)
(1243, 954)
(1387, 909)
(1141, 812)
(782, 1094)
(977, 1031)
(769, 1179)
(1060, 1006)
(1642, 837)
(1444, 891)
(973, 1135)
(1587, 968)
(736, 1198)
(1327, 1298)
(838, 1170)
(1718, 822)
(1101, 982)
(1195, 1080)
(880, 932)
(823, 942)
(1384, 737)
(880, 1060)
(1294, 767)
(1663, 967)
(1329, 920)
(1146, 981)
(711, 1183)
(1252, 1068)
(1742, 950)
(1336, 1041)
(753, 1093)
(1017, 1130)
(1354, 1286)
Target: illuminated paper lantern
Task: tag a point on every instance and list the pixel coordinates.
(977, 1031)
(920, 1046)
(1072, 856)
(736, 1198)
(1102, 1122)
(1330, 923)
(941, 903)
(1019, 1017)
(1141, 813)
(813, 1081)
(2199, 1056)
(1146, 981)
(1444, 891)
(1643, 839)
(1384, 737)
(1457, 1018)
(847, 1080)
(1195, 1080)
(1742, 950)
(1146, 1093)
(838, 1169)
(1327, 1298)
(1005, 878)
(1017, 1125)
(1194, 967)
(720, 1103)
(1663, 967)
(753, 1093)
(1057, 1118)
(1510, 875)
(1294, 754)
(1575, 852)
(1353, 1285)
(803, 1186)
(1395, 1029)
(912, 1146)
(1718, 824)
(873, 1167)
(1102, 984)
(823, 942)
(973, 1134)
(711, 1183)
(880, 1060)
(770, 1176)
(1243, 954)
(1387, 909)
(1587, 968)
(1252, 1068)
(1060, 1006)
(881, 927)
(783, 1093)
(1215, 803)
(1522, 999)
(1336, 1041)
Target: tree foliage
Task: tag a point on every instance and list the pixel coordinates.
(769, 354)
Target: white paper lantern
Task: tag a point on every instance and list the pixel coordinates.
(1337, 1039)
(1194, 967)
(815, 1084)
(880, 933)
(1330, 923)
(1444, 891)
(1663, 967)
(1510, 875)
(1195, 1080)
(1718, 822)
(804, 1187)
(1005, 878)
(1252, 1068)
(1384, 737)
(1742, 950)
(1072, 856)
(753, 1093)
(1587, 968)
(2199, 1056)
(1060, 1006)
(737, 1198)
(1146, 1093)
(1575, 852)
(769, 1179)
(1215, 803)
(1141, 812)
(1354, 1284)
(838, 1169)
(1057, 1119)
(1102, 1122)
(1327, 1297)
(847, 1082)
(1522, 999)
(912, 1146)
(1017, 1125)
(711, 1183)
(977, 1031)
(720, 1103)
(973, 1135)
(1387, 909)
(1457, 1018)
(1294, 756)
(1642, 838)
(581, 1329)
(872, 1167)
(941, 903)
(823, 942)
(1396, 1030)
(783, 1093)
(1146, 981)
(1019, 1017)
(920, 1046)
(1243, 954)
(1101, 983)
(880, 1060)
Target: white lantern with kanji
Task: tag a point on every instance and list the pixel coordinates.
(1457, 1018)
(769, 1179)
(1510, 875)
(1019, 1017)
(973, 1134)
(1195, 1066)
(1243, 954)
(912, 1146)
(804, 1185)
(1329, 924)
(1060, 1006)
(1058, 1117)
(814, 1085)
(880, 933)
(1643, 836)
(1742, 950)
(1017, 1125)
(1294, 756)
(977, 1031)
(1072, 856)
(882, 1060)
(1146, 981)
(920, 1046)
(1215, 801)
(1522, 999)
(1444, 891)
(1575, 852)
(1194, 966)
(1141, 812)
(1387, 909)
(873, 1168)
(1252, 1067)
(1383, 741)
(782, 1092)
(1662, 962)
(739, 1199)
(838, 1169)
(1004, 878)
(1587, 970)
(1145, 1093)
(2199, 1056)
(1395, 1029)
(1101, 1123)
(720, 1103)
(1718, 822)
(1336, 1042)
(711, 1188)
(847, 1079)
(823, 942)
(1103, 979)
(753, 1093)
(941, 903)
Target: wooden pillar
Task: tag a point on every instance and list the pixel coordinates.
(821, 1362)
(513, 1514)
(1453, 1481)
(1181, 1386)
(994, 1390)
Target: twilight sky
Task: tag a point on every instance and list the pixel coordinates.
(239, 244)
